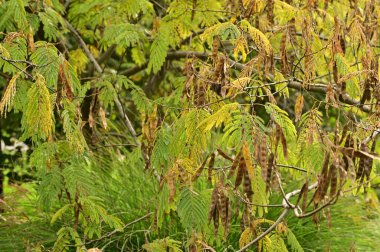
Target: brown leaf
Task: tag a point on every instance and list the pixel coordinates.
(102, 115)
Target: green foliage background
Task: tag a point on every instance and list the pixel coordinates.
(174, 125)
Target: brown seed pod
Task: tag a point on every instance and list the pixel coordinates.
(215, 48)
(214, 203)
(362, 164)
(261, 154)
(234, 165)
(247, 186)
(285, 67)
(270, 6)
(240, 173)
(369, 163)
(224, 155)
(171, 186)
(199, 171)
(211, 166)
(304, 193)
(223, 207)
(268, 175)
(323, 182)
(229, 218)
(218, 74)
(216, 222)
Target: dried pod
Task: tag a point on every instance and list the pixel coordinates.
(211, 166)
(240, 173)
(229, 218)
(268, 175)
(224, 155)
(234, 165)
(214, 203)
(215, 48)
(323, 182)
(261, 153)
(247, 186)
(333, 180)
(199, 171)
(223, 207)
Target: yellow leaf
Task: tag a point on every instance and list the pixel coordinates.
(298, 107)
(102, 115)
(258, 37)
(248, 160)
(10, 92)
(79, 60)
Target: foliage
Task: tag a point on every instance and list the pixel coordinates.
(175, 125)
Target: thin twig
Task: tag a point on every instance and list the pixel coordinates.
(84, 46)
(126, 120)
(100, 70)
(291, 167)
(274, 225)
(118, 230)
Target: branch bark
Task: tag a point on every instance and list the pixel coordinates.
(84, 46)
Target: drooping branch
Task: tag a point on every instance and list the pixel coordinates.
(84, 46)
(118, 230)
(287, 207)
(100, 70)
(266, 232)
(293, 84)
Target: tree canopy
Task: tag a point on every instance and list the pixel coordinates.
(177, 125)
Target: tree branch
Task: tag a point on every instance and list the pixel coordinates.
(258, 238)
(287, 207)
(100, 70)
(118, 230)
(294, 84)
(84, 46)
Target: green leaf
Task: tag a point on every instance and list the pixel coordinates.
(192, 210)
(59, 213)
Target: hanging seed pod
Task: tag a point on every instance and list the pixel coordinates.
(229, 218)
(223, 207)
(362, 164)
(234, 165)
(171, 186)
(262, 155)
(215, 48)
(322, 181)
(247, 186)
(333, 180)
(224, 155)
(240, 173)
(285, 67)
(211, 166)
(369, 163)
(214, 204)
(199, 171)
(304, 193)
(268, 175)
